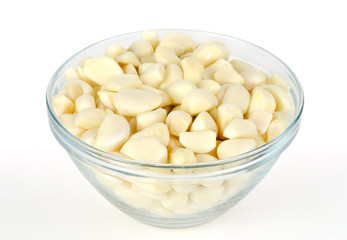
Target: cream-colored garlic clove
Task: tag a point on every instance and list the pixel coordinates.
(153, 75)
(221, 92)
(210, 85)
(241, 66)
(148, 59)
(206, 158)
(179, 89)
(261, 99)
(281, 116)
(151, 37)
(106, 97)
(198, 142)
(148, 194)
(179, 42)
(276, 127)
(186, 55)
(131, 102)
(259, 140)
(157, 130)
(130, 69)
(101, 69)
(233, 147)
(284, 101)
(178, 121)
(62, 105)
(238, 95)
(89, 136)
(141, 48)
(75, 88)
(128, 58)
(240, 128)
(113, 132)
(204, 122)
(261, 119)
(197, 101)
(147, 119)
(225, 113)
(166, 56)
(90, 118)
(84, 101)
(124, 81)
(173, 73)
(277, 80)
(114, 50)
(71, 74)
(192, 69)
(204, 195)
(175, 200)
(165, 98)
(253, 77)
(227, 74)
(208, 52)
(212, 69)
(182, 156)
(146, 149)
(68, 121)
(173, 144)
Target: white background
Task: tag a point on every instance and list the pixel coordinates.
(42, 194)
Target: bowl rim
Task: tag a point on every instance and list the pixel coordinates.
(108, 159)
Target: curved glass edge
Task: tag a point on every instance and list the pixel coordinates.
(96, 153)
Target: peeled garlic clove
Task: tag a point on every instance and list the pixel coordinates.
(131, 102)
(128, 58)
(175, 200)
(225, 113)
(148, 59)
(253, 77)
(233, 147)
(261, 119)
(89, 136)
(259, 140)
(204, 122)
(130, 69)
(147, 119)
(101, 69)
(241, 66)
(192, 69)
(84, 101)
(277, 80)
(238, 95)
(130, 197)
(213, 152)
(186, 55)
(106, 97)
(165, 98)
(205, 158)
(178, 121)
(151, 37)
(71, 74)
(179, 42)
(153, 75)
(281, 116)
(148, 194)
(276, 127)
(284, 101)
(227, 74)
(75, 88)
(208, 52)
(221, 92)
(197, 101)
(90, 118)
(62, 104)
(198, 142)
(173, 73)
(166, 56)
(68, 121)
(210, 85)
(146, 149)
(173, 144)
(261, 99)
(113, 132)
(184, 186)
(204, 195)
(124, 81)
(240, 128)
(179, 89)
(141, 48)
(114, 50)
(211, 70)
(182, 156)
(157, 130)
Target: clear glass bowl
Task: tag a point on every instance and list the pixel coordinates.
(147, 191)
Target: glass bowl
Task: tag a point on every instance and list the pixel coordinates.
(176, 196)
